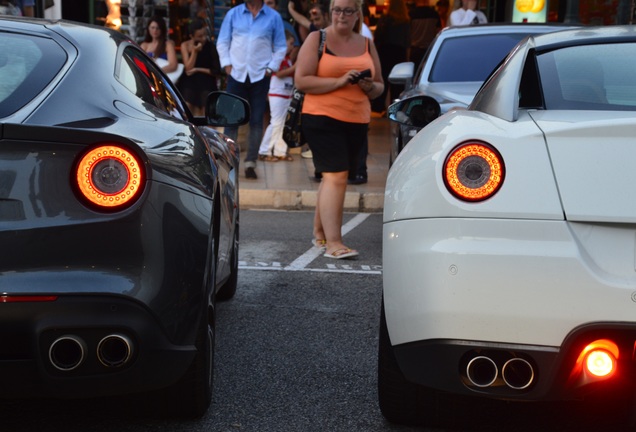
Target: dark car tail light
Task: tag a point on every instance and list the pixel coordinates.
(110, 176)
(26, 298)
(474, 171)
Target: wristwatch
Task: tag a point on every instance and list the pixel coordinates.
(269, 71)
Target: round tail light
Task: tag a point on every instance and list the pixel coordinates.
(474, 171)
(110, 176)
(599, 358)
(600, 363)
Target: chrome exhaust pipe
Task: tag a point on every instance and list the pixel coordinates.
(67, 352)
(518, 373)
(114, 350)
(481, 371)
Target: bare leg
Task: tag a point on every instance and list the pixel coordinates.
(319, 232)
(330, 207)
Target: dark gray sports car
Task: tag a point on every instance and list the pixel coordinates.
(118, 219)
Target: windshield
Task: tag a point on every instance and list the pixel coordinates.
(590, 77)
(472, 57)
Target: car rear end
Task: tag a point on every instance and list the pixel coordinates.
(103, 269)
(519, 285)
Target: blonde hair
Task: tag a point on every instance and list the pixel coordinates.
(358, 5)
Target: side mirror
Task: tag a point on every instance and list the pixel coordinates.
(402, 73)
(225, 109)
(416, 111)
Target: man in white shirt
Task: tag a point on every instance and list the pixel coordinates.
(467, 14)
(251, 46)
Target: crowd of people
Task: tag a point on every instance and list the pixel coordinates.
(327, 51)
(18, 7)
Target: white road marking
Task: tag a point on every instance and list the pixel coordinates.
(301, 263)
(345, 268)
(305, 259)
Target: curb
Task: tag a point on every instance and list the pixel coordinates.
(364, 202)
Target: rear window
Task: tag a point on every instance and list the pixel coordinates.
(590, 77)
(27, 65)
(471, 58)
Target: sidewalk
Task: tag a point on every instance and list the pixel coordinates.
(290, 185)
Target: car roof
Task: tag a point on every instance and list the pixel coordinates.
(68, 29)
(499, 94)
(585, 36)
(495, 28)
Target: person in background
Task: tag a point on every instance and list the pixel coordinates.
(251, 47)
(425, 24)
(359, 175)
(442, 10)
(392, 40)
(366, 31)
(318, 17)
(280, 92)
(336, 113)
(467, 14)
(202, 67)
(27, 7)
(288, 28)
(301, 7)
(158, 46)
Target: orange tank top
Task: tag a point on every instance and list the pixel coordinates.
(348, 103)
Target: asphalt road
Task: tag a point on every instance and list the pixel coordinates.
(296, 351)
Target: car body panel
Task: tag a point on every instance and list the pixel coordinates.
(592, 175)
(540, 270)
(447, 274)
(411, 192)
(149, 270)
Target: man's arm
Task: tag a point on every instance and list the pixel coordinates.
(279, 44)
(224, 40)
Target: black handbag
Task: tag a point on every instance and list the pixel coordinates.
(293, 131)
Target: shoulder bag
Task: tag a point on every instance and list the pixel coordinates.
(293, 131)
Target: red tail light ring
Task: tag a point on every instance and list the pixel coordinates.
(474, 171)
(110, 176)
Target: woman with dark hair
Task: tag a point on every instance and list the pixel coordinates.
(158, 46)
(202, 66)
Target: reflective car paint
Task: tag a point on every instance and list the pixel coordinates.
(146, 275)
(538, 275)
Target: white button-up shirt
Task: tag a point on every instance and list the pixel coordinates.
(251, 44)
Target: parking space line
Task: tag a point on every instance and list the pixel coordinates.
(305, 259)
(345, 268)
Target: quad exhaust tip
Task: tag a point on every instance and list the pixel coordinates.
(67, 353)
(114, 350)
(481, 371)
(517, 373)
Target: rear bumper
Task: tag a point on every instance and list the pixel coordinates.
(525, 282)
(28, 329)
(555, 374)
(534, 291)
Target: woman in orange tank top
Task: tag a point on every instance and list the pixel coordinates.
(336, 113)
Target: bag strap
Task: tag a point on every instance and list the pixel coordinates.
(323, 39)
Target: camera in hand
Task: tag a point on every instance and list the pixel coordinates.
(364, 74)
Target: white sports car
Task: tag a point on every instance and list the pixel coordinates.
(509, 240)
